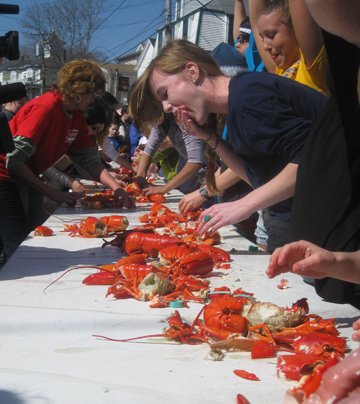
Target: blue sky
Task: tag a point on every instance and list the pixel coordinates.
(129, 22)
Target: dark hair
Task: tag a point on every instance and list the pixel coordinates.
(109, 98)
(124, 109)
(95, 113)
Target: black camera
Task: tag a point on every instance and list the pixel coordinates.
(9, 43)
(9, 48)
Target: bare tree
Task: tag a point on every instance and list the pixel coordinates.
(74, 22)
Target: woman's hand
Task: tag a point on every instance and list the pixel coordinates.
(303, 258)
(222, 215)
(76, 186)
(153, 189)
(153, 169)
(68, 197)
(190, 127)
(356, 327)
(190, 202)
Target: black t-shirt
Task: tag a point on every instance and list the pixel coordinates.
(268, 122)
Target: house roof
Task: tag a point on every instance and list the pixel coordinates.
(133, 55)
(120, 67)
(226, 6)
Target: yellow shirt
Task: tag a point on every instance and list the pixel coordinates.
(313, 76)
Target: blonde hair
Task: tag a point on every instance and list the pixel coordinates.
(144, 108)
(80, 77)
(282, 6)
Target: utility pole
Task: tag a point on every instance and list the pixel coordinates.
(168, 21)
(43, 64)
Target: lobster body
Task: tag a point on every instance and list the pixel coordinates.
(151, 244)
(195, 263)
(160, 198)
(43, 231)
(91, 227)
(224, 316)
(115, 222)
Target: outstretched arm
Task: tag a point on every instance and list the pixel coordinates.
(193, 200)
(278, 189)
(187, 172)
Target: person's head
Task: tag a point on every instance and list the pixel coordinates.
(96, 119)
(79, 82)
(244, 36)
(277, 32)
(112, 103)
(124, 151)
(172, 79)
(124, 113)
(110, 100)
(15, 106)
(113, 130)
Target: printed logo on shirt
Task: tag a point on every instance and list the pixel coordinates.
(71, 135)
(291, 72)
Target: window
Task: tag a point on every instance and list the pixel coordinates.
(160, 40)
(178, 9)
(185, 29)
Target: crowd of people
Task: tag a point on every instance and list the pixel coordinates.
(273, 137)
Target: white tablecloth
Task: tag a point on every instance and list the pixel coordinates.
(48, 353)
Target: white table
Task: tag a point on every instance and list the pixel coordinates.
(48, 353)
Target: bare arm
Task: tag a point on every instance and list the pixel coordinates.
(255, 7)
(24, 173)
(307, 31)
(278, 189)
(341, 18)
(124, 163)
(232, 160)
(187, 172)
(239, 17)
(192, 201)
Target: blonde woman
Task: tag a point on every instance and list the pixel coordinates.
(268, 118)
(44, 130)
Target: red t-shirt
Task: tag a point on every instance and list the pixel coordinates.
(43, 120)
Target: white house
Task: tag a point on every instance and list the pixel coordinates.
(204, 23)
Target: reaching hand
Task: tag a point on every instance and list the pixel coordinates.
(190, 202)
(68, 197)
(76, 186)
(123, 195)
(220, 215)
(356, 327)
(153, 189)
(301, 257)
